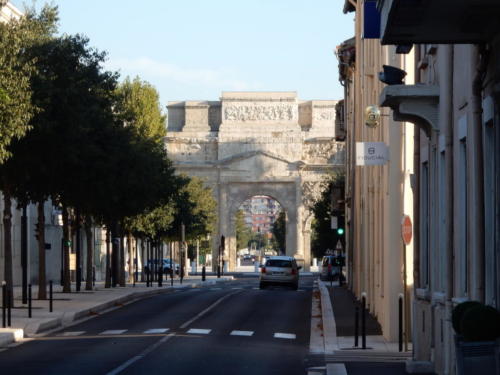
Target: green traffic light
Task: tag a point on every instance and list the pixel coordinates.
(340, 231)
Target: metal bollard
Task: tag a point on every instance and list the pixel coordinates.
(203, 273)
(356, 327)
(400, 323)
(160, 277)
(4, 304)
(218, 271)
(363, 320)
(51, 297)
(30, 302)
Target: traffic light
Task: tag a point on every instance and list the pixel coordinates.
(340, 231)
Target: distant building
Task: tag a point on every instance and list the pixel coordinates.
(260, 213)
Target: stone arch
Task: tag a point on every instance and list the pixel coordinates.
(284, 192)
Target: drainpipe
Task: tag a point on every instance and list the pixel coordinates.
(446, 113)
(416, 196)
(480, 54)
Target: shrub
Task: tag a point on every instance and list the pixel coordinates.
(458, 313)
(480, 323)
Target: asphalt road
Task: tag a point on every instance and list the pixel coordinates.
(233, 328)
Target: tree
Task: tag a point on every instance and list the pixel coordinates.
(17, 67)
(139, 107)
(279, 232)
(323, 237)
(18, 38)
(243, 232)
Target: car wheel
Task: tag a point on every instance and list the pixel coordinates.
(295, 286)
(262, 286)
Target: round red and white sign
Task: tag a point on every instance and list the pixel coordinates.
(406, 229)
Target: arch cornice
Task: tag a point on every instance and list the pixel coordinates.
(418, 104)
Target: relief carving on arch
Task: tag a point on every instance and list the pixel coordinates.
(319, 151)
(311, 191)
(260, 112)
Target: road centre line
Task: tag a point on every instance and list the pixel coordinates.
(156, 330)
(76, 333)
(241, 333)
(145, 352)
(212, 306)
(289, 336)
(113, 332)
(198, 331)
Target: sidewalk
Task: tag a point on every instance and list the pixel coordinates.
(70, 307)
(341, 357)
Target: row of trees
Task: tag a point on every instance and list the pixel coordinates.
(71, 134)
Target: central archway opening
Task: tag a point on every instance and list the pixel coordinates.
(260, 229)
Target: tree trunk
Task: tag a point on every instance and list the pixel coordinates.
(42, 282)
(142, 260)
(78, 249)
(67, 244)
(122, 259)
(7, 227)
(90, 253)
(115, 256)
(130, 258)
(107, 283)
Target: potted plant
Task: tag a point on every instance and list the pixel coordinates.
(477, 328)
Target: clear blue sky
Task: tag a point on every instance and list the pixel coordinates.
(195, 49)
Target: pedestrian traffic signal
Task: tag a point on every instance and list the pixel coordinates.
(340, 231)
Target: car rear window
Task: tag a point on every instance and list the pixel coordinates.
(278, 263)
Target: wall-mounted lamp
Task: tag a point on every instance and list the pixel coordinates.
(391, 75)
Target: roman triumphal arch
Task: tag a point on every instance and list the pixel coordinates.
(257, 143)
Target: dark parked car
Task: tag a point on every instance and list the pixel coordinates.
(167, 269)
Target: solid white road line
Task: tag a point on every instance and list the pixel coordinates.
(145, 352)
(198, 331)
(289, 336)
(113, 332)
(236, 288)
(215, 288)
(156, 330)
(241, 333)
(76, 333)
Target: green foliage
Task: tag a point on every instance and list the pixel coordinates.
(323, 237)
(243, 232)
(17, 67)
(279, 232)
(139, 107)
(195, 207)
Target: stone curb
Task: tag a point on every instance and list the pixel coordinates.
(10, 335)
(329, 327)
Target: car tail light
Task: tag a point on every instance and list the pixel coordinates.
(263, 270)
(294, 271)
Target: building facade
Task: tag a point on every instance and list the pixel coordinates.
(454, 105)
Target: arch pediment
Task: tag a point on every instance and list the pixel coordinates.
(252, 154)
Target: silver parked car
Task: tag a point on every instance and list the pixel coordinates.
(281, 270)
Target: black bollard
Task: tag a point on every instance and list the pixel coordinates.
(160, 277)
(203, 273)
(4, 304)
(9, 315)
(400, 325)
(51, 296)
(356, 326)
(182, 274)
(363, 321)
(218, 271)
(29, 301)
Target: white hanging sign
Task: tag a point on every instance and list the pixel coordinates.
(371, 153)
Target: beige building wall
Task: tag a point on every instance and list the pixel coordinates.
(378, 195)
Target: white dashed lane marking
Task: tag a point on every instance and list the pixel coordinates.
(215, 288)
(241, 333)
(76, 333)
(198, 331)
(288, 336)
(156, 330)
(113, 332)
